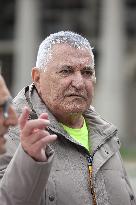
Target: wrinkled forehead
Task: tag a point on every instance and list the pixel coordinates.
(4, 93)
(65, 53)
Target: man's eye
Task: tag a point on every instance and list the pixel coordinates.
(66, 71)
(87, 73)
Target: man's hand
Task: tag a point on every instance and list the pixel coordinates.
(33, 135)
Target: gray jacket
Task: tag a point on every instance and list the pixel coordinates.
(64, 179)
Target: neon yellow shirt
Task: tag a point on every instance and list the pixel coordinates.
(79, 134)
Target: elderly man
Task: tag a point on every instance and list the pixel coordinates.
(83, 165)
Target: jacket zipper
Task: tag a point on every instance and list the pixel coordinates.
(90, 166)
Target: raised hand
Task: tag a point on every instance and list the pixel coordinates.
(33, 135)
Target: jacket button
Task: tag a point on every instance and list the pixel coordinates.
(106, 152)
(131, 196)
(118, 141)
(51, 198)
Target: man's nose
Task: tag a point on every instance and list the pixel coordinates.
(12, 118)
(77, 80)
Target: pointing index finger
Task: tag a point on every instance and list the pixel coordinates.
(32, 125)
(23, 117)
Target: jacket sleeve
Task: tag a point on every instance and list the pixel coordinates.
(130, 190)
(24, 179)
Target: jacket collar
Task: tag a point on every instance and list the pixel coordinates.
(100, 129)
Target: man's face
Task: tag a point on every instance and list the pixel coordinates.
(11, 119)
(66, 85)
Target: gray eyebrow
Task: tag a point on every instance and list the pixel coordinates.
(89, 68)
(68, 66)
(72, 67)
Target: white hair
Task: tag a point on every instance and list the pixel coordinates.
(73, 39)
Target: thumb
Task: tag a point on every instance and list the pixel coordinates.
(23, 117)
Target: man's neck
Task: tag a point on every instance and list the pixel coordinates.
(72, 120)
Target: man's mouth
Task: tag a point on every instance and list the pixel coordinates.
(76, 95)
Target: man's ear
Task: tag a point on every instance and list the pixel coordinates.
(36, 77)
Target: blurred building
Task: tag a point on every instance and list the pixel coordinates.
(109, 25)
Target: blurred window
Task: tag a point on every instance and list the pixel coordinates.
(63, 4)
(130, 18)
(81, 16)
(7, 13)
(6, 64)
